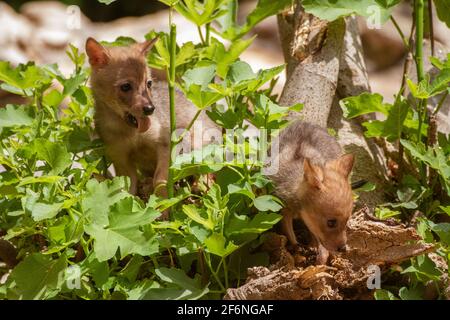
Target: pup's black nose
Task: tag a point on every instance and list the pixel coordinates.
(342, 248)
(148, 110)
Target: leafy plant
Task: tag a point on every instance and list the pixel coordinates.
(80, 235)
(423, 152)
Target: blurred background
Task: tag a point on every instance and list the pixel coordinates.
(41, 31)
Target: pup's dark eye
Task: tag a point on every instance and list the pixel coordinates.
(149, 83)
(125, 87)
(331, 223)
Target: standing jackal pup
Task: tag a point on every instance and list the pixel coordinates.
(312, 180)
(132, 112)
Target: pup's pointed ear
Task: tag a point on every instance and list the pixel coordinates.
(98, 56)
(345, 164)
(313, 175)
(146, 46)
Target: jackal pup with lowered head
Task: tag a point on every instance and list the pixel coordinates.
(313, 182)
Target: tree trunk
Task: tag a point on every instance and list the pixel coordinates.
(324, 64)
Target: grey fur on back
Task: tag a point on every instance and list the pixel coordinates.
(298, 141)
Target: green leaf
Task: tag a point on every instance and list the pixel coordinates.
(185, 54)
(73, 83)
(267, 203)
(263, 10)
(54, 154)
(419, 91)
(363, 104)
(393, 126)
(240, 71)
(225, 58)
(445, 209)
(23, 77)
(410, 293)
(367, 187)
(180, 286)
(440, 82)
(258, 224)
(125, 231)
(195, 214)
(442, 230)
(202, 98)
(382, 294)
(38, 276)
(99, 196)
(14, 116)
(333, 9)
(42, 211)
(170, 3)
(44, 179)
(201, 76)
(388, 3)
(98, 270)
(443, 11)
(107, 2)
(424, 268)
(216, 244)
(385, 213)
(245, 190)
(433, 157)
(131, 270)
(200, 13)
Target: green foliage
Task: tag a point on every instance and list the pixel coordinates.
(334, 9)
(443, 11)
(65, 217)
(399, 117)
(425, 182)
(264, 9)
(81, 236)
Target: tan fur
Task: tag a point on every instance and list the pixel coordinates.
(313, 182)
(132, 151)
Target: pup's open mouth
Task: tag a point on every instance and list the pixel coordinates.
(140, 123)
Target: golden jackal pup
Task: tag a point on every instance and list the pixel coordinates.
(132, 112)
(312, 180)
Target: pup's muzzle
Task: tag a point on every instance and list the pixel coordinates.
(148, 110)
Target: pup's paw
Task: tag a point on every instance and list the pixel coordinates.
(322, 255)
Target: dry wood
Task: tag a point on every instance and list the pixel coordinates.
(371, 243)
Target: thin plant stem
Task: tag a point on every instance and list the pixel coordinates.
(430, 19)
(403, 92)
(197, 114)
(208, 34)
(419, 17)
(441, 103)
(173, 125)
(409, 57)
(202, 39)
(225, 271)
(406, 42)
(216, 277)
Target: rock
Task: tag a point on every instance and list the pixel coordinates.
(16, 32)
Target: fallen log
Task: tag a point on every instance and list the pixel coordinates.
(373, 245)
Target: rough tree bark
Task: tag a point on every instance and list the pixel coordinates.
(324, 64)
